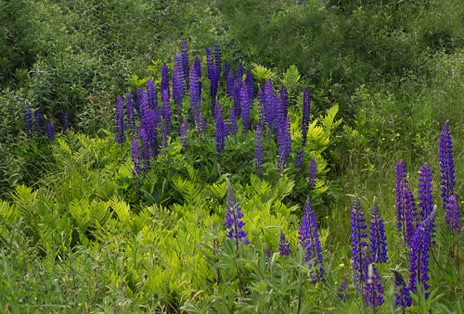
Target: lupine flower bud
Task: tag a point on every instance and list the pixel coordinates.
(165, 80)
(146, 148)
(184, 133)
(120, 137)
(232, 121)
(167, 118)
(250, 85)
(425, 191)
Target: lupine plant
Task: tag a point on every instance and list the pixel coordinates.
(446, 164)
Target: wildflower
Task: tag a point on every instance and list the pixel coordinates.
(378, 239)
(167, 118)
(185, 63)
(230, 84)
(120, 137)
(452, 214)
(308, 237)
(411, 216)
(305, 115)
(312, 174)
(49, 130)
(141, 101)
(358, 244)
(217, 59)
(149, 124)
(178, 89)
(165, 80)
(232, 119)
(446, 164)
(245, 106)
(284, 246)
(402, 297)
(135, 156)
(342, 288)
(373, 291)
(234, 217)
(283, 144)
(250, 85)
(38, 122)
(213, 74)
(419, 254)
(269, 105)
(146, 148)
(67, 124)
(227, 70)
(298, 159)
(425, 191)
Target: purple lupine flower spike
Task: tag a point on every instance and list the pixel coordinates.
(402, 297)
(373, 291)
(217, 59)
(298, 159)
(284, 246)
(425, 191)
(419, 254)
(245, 105)
(28, 119)
(378, 239)
(308, 236)
(227, 69)
(411, 215)
(49, 130)
(135, 156)
(167, 118)
(250, 85)
(146, 148)
(38, 122)
(67, 124)
(152, 95)
(234, 217)
(178, 89)
(165, 80)
(358, 244)
(185, 63)
(452, 214)
(258, 149)
(306, 115)
(232, 119)
(312, 174)
(120, 137)
(446, 164)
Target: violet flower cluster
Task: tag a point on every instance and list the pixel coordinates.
(284, 246)
(378, 240)
(446, 164)
(234, 215)
(308, 236)
(402, 297)
(419, 254)
(359, 245)
(373, 290)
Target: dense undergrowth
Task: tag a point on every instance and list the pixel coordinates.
(85, 228)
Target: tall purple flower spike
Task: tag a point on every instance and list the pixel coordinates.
(446, 164)
(378, 239)
(234, 215)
